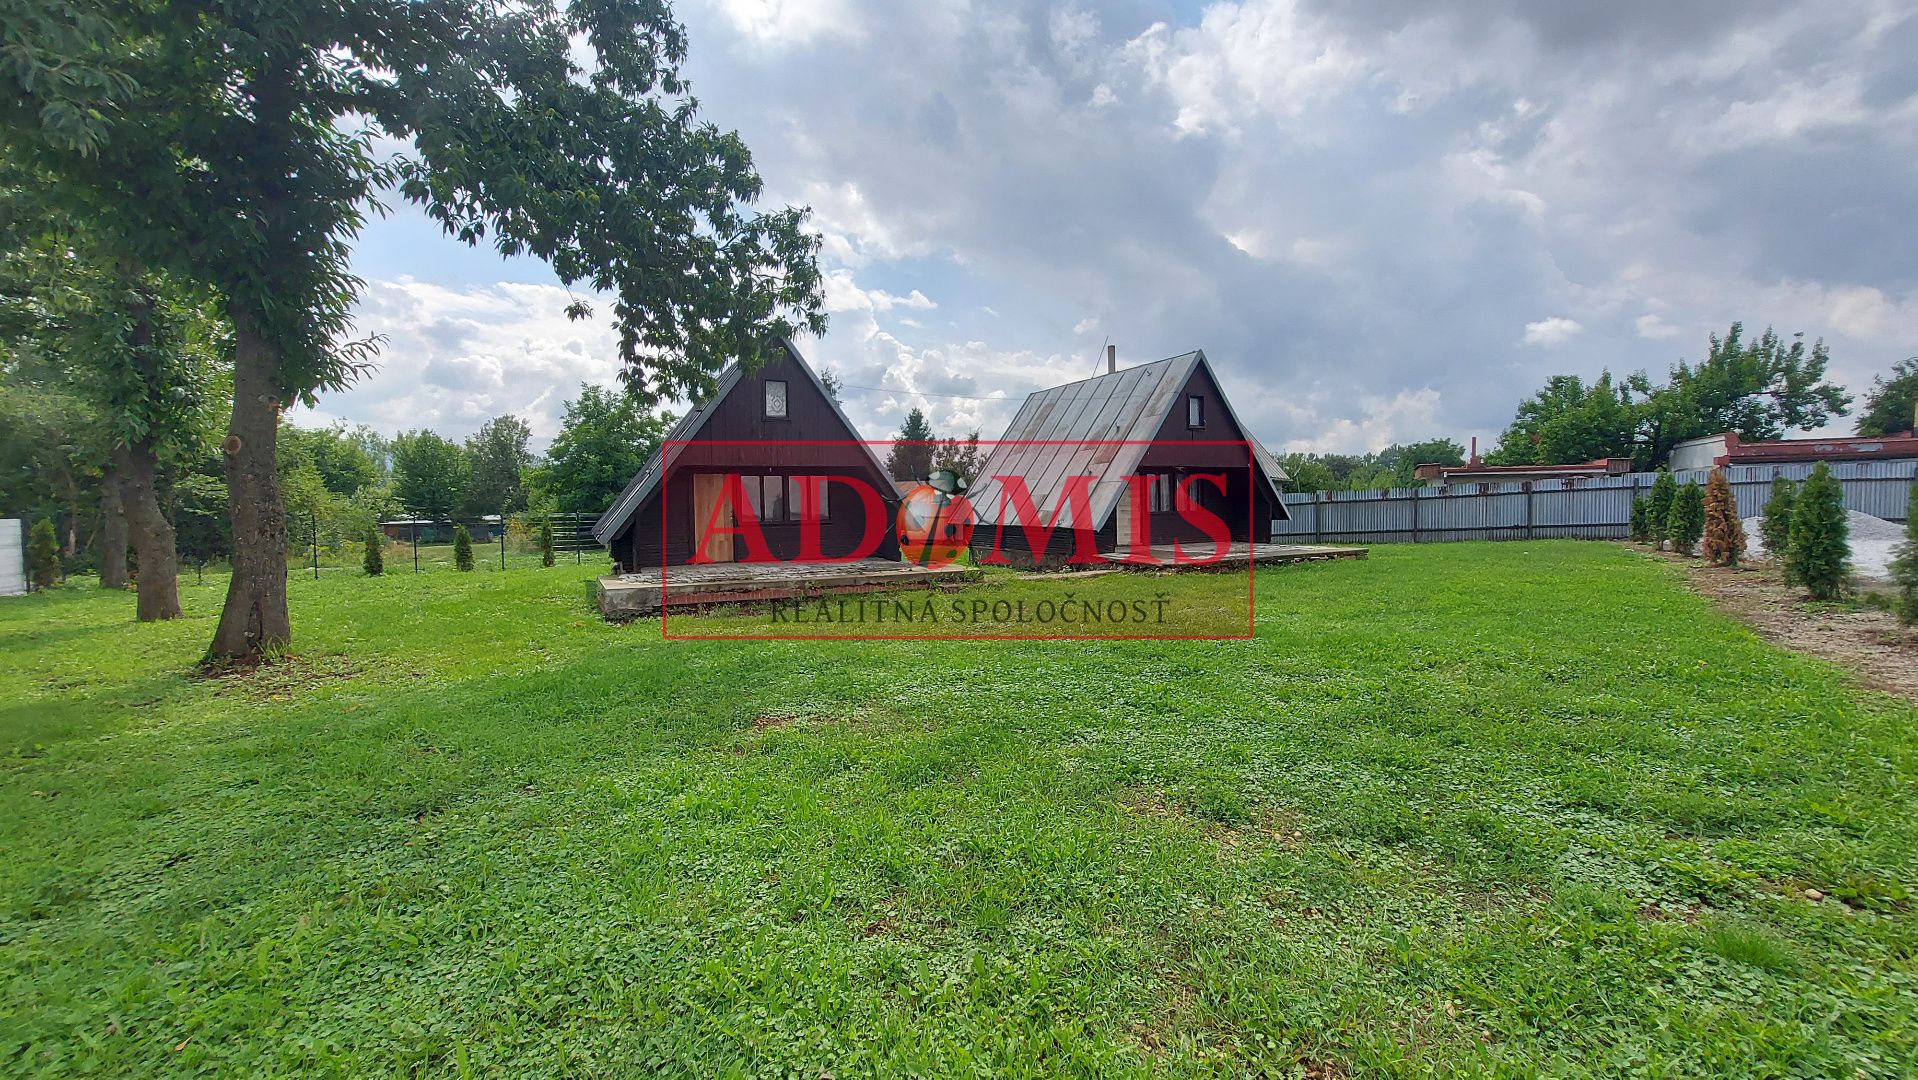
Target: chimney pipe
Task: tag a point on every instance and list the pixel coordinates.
(1112, 359)
(1475, 449)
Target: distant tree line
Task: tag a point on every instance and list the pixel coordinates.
(337, 482)
(1758, 388)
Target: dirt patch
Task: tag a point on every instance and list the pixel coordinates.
(1272, 826)
(772, 720)
(282, 678)
(1872, 645)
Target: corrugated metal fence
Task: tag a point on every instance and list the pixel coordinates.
(1586, 508)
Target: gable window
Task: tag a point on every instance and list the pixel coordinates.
(1195, 411)
(775, 399)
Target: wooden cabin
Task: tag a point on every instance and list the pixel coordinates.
(781, 432)
(1166, 421)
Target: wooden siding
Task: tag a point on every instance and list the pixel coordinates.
(739, 438)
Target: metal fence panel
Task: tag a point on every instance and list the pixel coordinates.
(1598, 507)
(13, 557)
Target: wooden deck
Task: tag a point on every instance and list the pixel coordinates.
(1258, 554)
(637, 595)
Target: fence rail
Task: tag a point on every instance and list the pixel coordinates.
(1597, 507)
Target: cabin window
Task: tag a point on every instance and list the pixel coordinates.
(775, 399)
(777, 499)
(1195, 411)
(796, 495)
(1159, 488)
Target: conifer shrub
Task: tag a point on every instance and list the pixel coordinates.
(1664, 490)
(1775, 527)
(546, 541)
(1686, 522)
(1724, 535)
(375, 561)
(1820, 551)
(1641, 520)
(1904, 564)
(43, 555)
(462, 548)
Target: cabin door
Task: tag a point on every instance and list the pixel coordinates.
(709, 496)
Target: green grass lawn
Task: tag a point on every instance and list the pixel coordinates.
(1518, 809)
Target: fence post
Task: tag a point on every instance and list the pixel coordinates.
(413, 527)
(502, 541)
(1318, 517)
(1528, 510)
(1415, 515)
(315, 515)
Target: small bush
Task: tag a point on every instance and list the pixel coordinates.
(1687, 520)
(1641, 521)
(43, 555)
(1664, 490)
(1820, 550)
(375, 561)
(546, 541)
(462, 548)
(1775, 529)
(1904, 564)
(1724, 535)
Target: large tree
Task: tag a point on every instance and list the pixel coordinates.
(912, 450)
(239, 142)
(1570, 421)
(137, 346)
(430, 474)
(1890, 402)
(498, 458)
(604, 437)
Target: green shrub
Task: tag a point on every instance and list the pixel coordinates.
(43, 555)
(546, 541)
(462, 548)
(1820, 536)
(1641, 521)
(375, 561)
(1776, 526)
(1904, 564)
(1664, 490)
(1687, 520)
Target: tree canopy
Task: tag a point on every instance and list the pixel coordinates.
(1758, 389)
(604, 437)
(1888, 406)
(241, 144)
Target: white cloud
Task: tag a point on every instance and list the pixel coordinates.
(1651, 326)
(778, 23)
(1552, 331)
(455, 357)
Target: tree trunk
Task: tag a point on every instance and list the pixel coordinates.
(152, 533)
(113, 533)
(255, 618)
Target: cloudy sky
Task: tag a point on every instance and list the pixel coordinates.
(1382, 219)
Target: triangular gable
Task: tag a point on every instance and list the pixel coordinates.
(1048, 438)
(647, 479)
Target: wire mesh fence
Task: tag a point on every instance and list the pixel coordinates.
(420, 545)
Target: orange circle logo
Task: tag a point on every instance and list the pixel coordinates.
(934, 529)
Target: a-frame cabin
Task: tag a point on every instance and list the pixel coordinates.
(1166, 421)
(779, 430)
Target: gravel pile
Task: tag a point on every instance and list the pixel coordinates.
(1872, 540)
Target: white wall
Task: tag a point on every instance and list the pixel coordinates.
(1696, 453)
(13, 557)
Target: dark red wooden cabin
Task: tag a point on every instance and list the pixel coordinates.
(779, 430)
(1166, 420)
